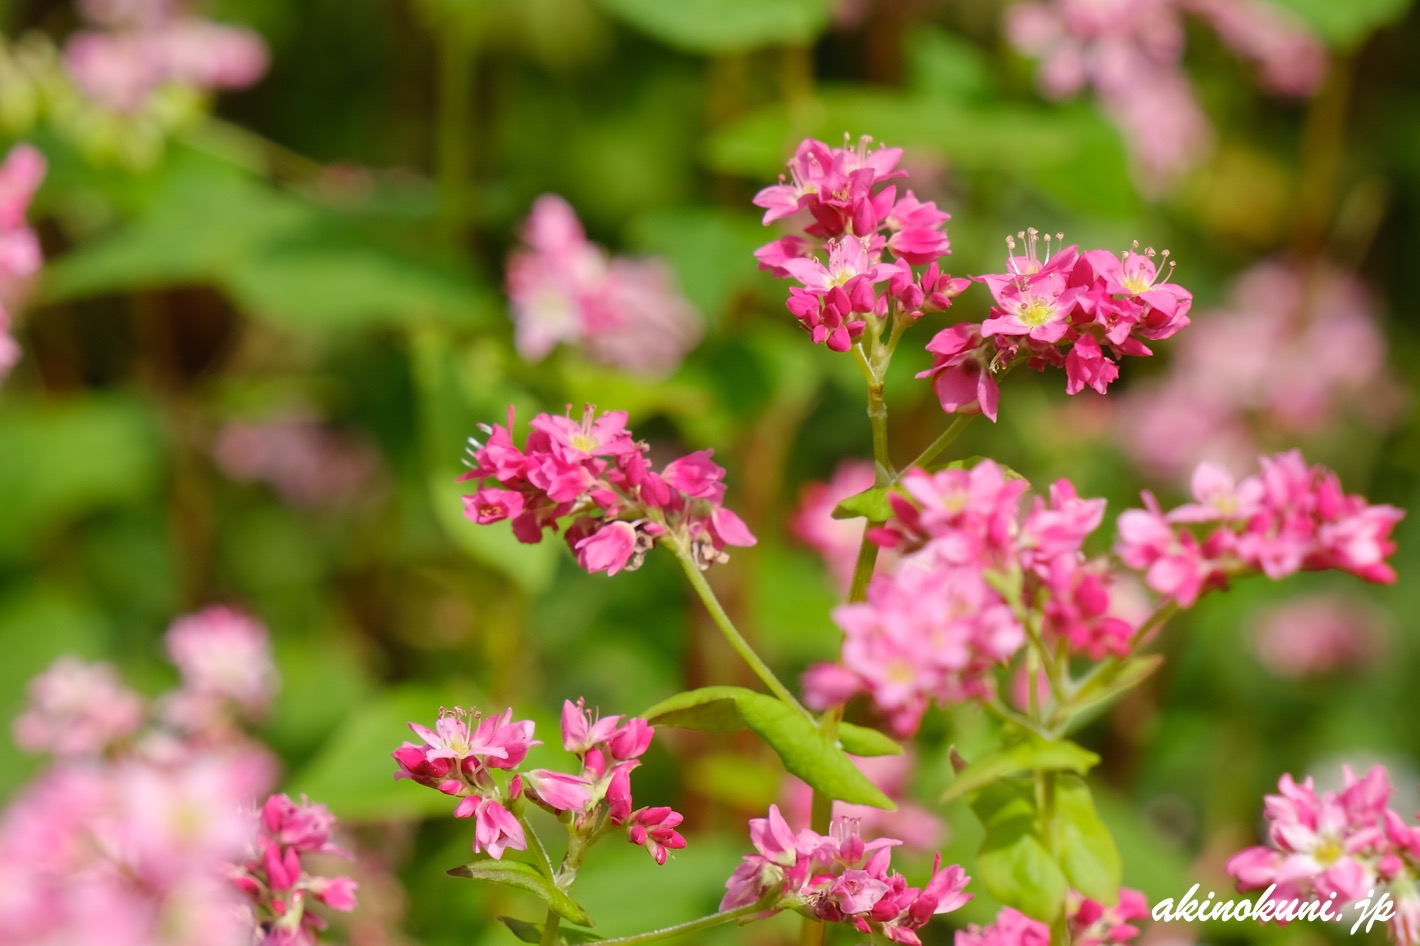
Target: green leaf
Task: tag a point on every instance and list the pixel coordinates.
(1088, 854)
(802, 748)
(353, 773)
(1033, 753)
(532, 932)
(1014, 863)
(524, 877)
(454, 395)
(860, 740)
(1108, 684)
(63, 459)
(721, 26)
(1346, 24)
(872, 504)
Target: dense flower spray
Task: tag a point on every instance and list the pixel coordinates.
(145, 829)
(477, 760)
(592, 473)
(840, 878)
(980, 575)
(1344, 844)
(1130, 53)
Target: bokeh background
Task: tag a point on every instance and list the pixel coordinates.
(271, 314)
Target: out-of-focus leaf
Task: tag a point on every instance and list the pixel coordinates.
(712, 252)
(860, 740)
(277, 255)
(803, 749)
(945, 65)
(721, 26)
(454, 398)
(524, 877)
(1070, 155)
(353, 773)
(1088, 855)
(1014, 864)
(1031, 754)
(532, 932)
(1120, 677)
(59, 460)
(36, 626)
(1346, 24)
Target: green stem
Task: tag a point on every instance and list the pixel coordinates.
(543, 860)
(549, 927)
(948, 437)
(695, 926)
(727, 627)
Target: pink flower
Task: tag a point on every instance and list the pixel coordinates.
(623, 312)
(1317, 634)
(77, 709)
(595, 471)
(654, 829)
(932, 631)
(224, 655)
(961, 371)
(496, 830)
(609, 549)
(558, 790)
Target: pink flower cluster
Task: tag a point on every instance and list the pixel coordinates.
(623, 312)
(1099, 306)
(1294, 351)
(1130, 52)
(840, 878)
(1340, 843)
(1318, 633)
(1091, 924)
(307, 461)
(461, 755)
(950, 617)
(20, 176)
(1288, 518)
(144, 831)
(138, 47)
(852, 222)
(278, 883)
(593, 472)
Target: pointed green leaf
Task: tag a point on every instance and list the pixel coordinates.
(1014, 863)
(524, 877)
(532, 932)
(1088, 854)
(804, 750)
(708, 709)
(1108, 684)
(871, 503)
(860, 740)
(1033, 753)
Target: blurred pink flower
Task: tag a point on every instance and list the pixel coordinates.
(1296, 350)
(77, 709)
(224, 656)
(305, 460)
(624, 312)
(141, 45)
(20, 176)
(1316, 634)
(1130, 52)
(837, 540)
